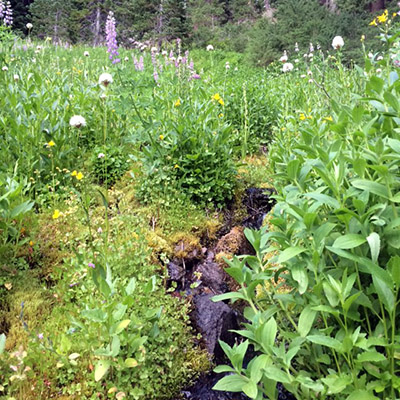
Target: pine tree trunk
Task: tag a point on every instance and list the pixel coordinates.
(97, 38)
(377, 5)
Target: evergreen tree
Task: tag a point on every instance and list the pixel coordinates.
(52, 18)
(176, 24)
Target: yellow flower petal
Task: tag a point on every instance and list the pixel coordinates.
(51, 144)
(56, 214)
(74, 173)
(79, 176)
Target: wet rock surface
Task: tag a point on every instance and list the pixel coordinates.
(199, 275)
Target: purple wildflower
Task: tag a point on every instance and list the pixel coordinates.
(111, 38)
(2, 9)
(195, 76)
(155, 75)
(91, 265)
(40, 336)
(73, 284)
(7, 14)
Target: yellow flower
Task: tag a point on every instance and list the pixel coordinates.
(176, 166)
(31, 243)
(161, 137)
(56, 214)
(74, 173)
(79, 176)
(58, 72)
(216, 97)
(220, 101)
(177, 103)
(51, 144)
(394, 14)
(362, 38)
(221, 115)
(373, 23)
(328, 119)
(383, 18)
(302, 117)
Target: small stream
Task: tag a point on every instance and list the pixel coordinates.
(201, 277)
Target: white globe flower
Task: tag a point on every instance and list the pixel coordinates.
(126, 59)
(337, 42)
(379, 58)
(16, 77)
(210, 47)
(29, 26)
(284, 58)
(154, 49)
(287, 67)
(5, 68)
(105, 79)
(77, 121)
(164, 53)
(86, 53)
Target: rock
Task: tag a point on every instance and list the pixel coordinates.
(175, 271)
(214, 320)
(212, 276)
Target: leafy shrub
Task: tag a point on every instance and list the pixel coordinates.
(108, 164)
(328, 327)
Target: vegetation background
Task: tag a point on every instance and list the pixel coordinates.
(260, 28)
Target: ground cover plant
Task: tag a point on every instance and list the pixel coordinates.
(112, 156)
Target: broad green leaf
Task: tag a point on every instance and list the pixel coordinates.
(269, 332)
(349, 241)
(21, 209)
(324, 341)
(223, 368)
(300, 275)
(101, 369)
(2, 343)
(385, 293)
(131, 286)
(228, 296)
(394, 265)
(230, 383)
(306, 321)
(130, 363)
(362, 395)
(372, 187)
(324, 199)
(95, 315)
(277, 375)
(374, 242)
(289, 253)
(250, 389)
(122, 325)
(309, 383)
(371, 356)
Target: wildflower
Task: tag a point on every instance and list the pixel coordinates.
(103, 96)
(362, 38)
(216, 97)
(383, 18)
(287, 67)
(31, 243)
(86, 53)
(379, 58)
(227, 65)
(40, 336)
(296, 47)
(210, 47)
(309, 72)
(370, 55)
(105, 79)
(164, 53)
(16, 77)
(126, 59)
(337, 42)
(379, 70)
(8, 14)
(302, 117)
(284, 58)
(77, 121)
(330, 119)
(50, 144)
(161, 137)
(177, 103)
(221, 115)
(79, 176)
(29, 26)
(56, 214)
(154, 49)
(5, 68)
(74, 173)
(176, 166)
(120, 395)
(101, 155)
(91, 265)
(111, 38)
(195, 76)
(100, 230)
(39, 47)
(311, 48)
